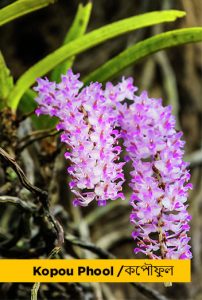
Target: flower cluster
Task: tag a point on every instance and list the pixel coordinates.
(159, 179)
(93, 120)
(88, 122)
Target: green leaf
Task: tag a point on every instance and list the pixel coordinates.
(6, 82)
(28, 104)
(20, 8)
(44, 122)
(77, 29)
(85, 42)
(142, 49)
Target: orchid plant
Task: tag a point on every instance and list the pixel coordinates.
(98, 123)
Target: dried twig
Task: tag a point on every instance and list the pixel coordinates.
(37, 133)
(28, 140)
(18, 202)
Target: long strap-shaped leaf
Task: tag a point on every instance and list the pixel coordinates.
(76, 30)
(85, 42)
(20, 8)
(6, 81)
(142, 49)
